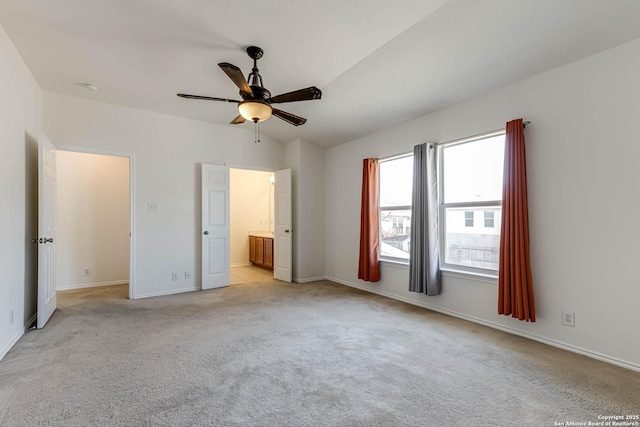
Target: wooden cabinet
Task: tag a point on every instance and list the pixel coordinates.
(261, 251)
(268, 253)
(252, 249)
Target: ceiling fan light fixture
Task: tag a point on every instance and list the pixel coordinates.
(255, 111)
(257, 100)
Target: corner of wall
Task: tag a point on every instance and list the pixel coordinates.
(21, 111)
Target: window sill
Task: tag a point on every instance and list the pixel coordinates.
(481, 277)
(460, 274)
(395, 264)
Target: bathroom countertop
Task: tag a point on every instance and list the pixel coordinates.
(267, 235)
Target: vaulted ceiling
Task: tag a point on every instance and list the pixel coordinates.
(377, 62)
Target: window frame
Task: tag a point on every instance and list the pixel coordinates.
(469, 222)
(396, 260)
(491, 218)
(488, 274)
(442, 208)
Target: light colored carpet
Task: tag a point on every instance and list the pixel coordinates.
(281, 354)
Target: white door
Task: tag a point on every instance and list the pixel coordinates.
(215, 226)
(47, 239)
(282, 231)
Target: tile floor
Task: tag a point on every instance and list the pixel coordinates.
(250, 273)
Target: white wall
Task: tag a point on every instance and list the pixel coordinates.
(251, 209)
(306, 161)
(93, 220)
(582, 154)
(20, 128)
(311, 220)
(167, 156)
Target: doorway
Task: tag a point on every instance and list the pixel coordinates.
(251, 207)
(94, 219)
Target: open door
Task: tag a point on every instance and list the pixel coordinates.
(215, 227)
(282, 230)
(47, 204)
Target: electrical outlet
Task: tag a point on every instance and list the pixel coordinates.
(568, 319)
(174, 276)
(187, 275)
(152, 207)
(11, 317)
(87, 272)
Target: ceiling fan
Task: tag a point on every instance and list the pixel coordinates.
(256, 99)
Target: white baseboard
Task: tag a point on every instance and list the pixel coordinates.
(91, 285)
(553, 343)
(241, 264)
(19, 335)
(309, 279)
(10, 344)
(171, 292)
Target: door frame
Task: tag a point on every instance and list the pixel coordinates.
(132, 200)
(256, 169)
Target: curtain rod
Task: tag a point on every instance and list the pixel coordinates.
(453, 142)
(477, 136)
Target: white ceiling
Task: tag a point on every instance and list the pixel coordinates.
(378, 62)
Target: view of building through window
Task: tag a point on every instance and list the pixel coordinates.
(396, 177)
(476, 245)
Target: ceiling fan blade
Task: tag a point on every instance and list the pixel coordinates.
(288, 117)
(206, 98)
(236, 75)
(237, 120)
(306, 94)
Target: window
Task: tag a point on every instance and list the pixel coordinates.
(471, 184)
(396, 176)
(468, 218)
(489, 219)
(470, 188)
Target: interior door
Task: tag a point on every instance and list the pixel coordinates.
(282, 231)
(215, 227)
(47, 204)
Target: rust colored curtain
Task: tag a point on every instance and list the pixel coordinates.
(515, 285)
(369, 265)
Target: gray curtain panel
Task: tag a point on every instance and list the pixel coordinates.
(424, 258)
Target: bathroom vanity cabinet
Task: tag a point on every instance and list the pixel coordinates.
(261, 250)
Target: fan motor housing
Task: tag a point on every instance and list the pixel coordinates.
(258, 93)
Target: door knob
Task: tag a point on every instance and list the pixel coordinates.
(206, 232)
(286, 231)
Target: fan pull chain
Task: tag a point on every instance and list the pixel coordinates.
(256, 137)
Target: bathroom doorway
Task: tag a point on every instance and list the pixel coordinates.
(251, 207)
